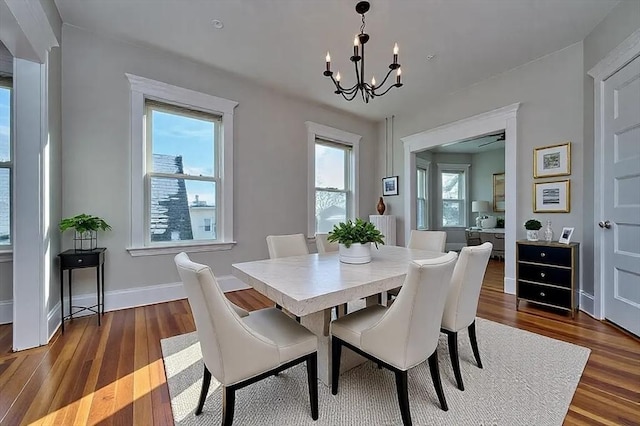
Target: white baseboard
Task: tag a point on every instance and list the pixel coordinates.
(53, 320)
(509, 285)
(587, 303)
(6, 311)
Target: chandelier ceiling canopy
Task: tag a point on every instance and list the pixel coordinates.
(368, 91)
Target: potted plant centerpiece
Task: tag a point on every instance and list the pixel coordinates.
(354, 240)
(86, 229)
(532, 226)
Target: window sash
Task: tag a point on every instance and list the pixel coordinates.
(7, 84)
(348, 185)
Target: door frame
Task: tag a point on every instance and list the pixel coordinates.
(615, 60)
(481, 124)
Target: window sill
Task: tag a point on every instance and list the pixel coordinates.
(175, 249)
(6, 256)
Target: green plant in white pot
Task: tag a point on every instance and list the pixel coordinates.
(354, 240)
(86, 229)
(532, 226)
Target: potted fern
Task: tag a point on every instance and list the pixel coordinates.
(354, 240)
(86, 229)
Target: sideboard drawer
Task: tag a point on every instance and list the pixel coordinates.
(544, 294)
(545, 274)
(544, 254)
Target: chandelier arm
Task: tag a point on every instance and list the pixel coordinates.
(389, 88)
(385, 79)
(336, 83)
(351, 90)
(362, 65)
(352, 96)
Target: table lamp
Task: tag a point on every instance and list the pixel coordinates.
(479, 207)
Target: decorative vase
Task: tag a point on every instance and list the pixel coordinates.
(381, 207)
(532, 234)
(548, 232)
(356, 253)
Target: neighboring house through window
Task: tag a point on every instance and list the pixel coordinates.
(454, 189)
(182, 169)
(422, 189)
(6, 163)
(333, 177)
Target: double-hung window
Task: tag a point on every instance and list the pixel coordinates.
(6, 162)
(454, 194)
(333, 177)
(422, 182)
(182, 173)
(181, 169)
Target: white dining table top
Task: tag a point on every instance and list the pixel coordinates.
(314, 282)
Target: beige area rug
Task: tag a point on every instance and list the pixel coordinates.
(527, 379)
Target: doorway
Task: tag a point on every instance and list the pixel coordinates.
(492, 122)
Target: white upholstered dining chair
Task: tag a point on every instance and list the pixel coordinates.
(287, 245)
(428, 240)
(403, 335)
(323, 245)
(462, 302)
(241, 348)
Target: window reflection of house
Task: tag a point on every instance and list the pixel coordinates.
(203, 219)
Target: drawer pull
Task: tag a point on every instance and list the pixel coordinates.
(79, 260)
(542, 294)
(543, 254)
(542, 274)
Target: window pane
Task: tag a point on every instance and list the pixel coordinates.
(189, 138)
(331, 209)
(5, 206)
(330, 167)
(182, 210)
(451, 185)
(5, 121)
(421, 216)
(452, 213)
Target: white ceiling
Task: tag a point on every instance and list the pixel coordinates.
(282, 43)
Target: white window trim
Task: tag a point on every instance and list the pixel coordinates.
(425, 165)
(315, 131)
(144, 88)
(456, 168)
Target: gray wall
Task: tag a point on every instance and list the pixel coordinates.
(483, 167)
(270, 186)
(621, 22)
(550, 92)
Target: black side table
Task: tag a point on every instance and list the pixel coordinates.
(76, 259)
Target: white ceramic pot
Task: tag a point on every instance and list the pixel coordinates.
(356, 253)
(532, 235)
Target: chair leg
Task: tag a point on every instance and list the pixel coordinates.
(228, 404)
(474, 343)
(435, 376)
(312, 378)
(206, 381)
(455, 361)
(402, 387)
(336, 352)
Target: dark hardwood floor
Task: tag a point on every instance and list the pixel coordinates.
(114, 374)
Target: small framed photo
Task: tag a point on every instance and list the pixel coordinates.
(552, 160)
(390, 185)
(565, 237)
(551, 197)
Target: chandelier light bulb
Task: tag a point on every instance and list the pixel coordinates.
(328, 57)
(338, 76)
(395, 49)
(398, 75)
(373, 81)
(356, 41)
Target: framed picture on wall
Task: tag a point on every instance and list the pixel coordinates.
(390, 185)
(554, 160)
(551, 197)
(498, 192)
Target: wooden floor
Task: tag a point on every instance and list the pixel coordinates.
(114, 374)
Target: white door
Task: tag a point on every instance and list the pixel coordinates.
(620, 225)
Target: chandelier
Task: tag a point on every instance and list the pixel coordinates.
(368, 91)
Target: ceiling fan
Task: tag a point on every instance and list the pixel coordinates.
(499, 137)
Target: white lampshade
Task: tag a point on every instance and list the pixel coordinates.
(479, 206)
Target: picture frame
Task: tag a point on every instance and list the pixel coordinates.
(565, 236)
(552, 197)
(390, 185)
(553, 160)
(498, 192)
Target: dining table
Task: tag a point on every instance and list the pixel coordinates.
(309, 286)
